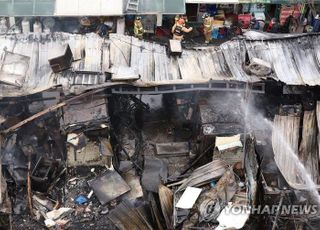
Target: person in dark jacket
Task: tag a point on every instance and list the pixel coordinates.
(103, 29)
(273, 26)
(316, 24)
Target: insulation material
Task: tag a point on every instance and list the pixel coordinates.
(188, 198)
(229, 220)
(223, 143)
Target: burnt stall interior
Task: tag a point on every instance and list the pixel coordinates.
(169, 140)
(164, 161)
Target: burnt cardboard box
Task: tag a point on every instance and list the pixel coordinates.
(62, 62)
(175, 47)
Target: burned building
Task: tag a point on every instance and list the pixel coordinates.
(116, 133)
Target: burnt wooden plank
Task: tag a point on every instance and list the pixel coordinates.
(308, 151)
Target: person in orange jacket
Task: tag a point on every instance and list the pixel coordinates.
(179, 29)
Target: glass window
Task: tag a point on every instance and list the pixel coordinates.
(44, 7)
(147, 6)
(174, 7)
(162, 6)
(5, 7)
(27, 7)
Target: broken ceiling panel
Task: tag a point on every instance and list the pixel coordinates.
(204, 174)
(91, 110)
(125, 216)
(88, 155)
(13, 68)
(155, 172)
(109, 186)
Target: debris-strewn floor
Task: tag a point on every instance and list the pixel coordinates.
(175, 161)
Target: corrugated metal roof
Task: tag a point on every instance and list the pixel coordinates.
(86, 50)
(156, 67)
(294, 60)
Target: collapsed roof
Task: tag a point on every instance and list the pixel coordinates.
(25, 69)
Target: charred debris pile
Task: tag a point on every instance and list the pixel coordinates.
(171, 161)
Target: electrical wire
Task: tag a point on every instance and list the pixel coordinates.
(124, 56)
(140, 47)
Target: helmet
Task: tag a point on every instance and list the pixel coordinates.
(138, 18)
(181, 21)
(206, 15)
